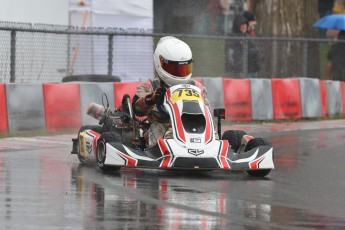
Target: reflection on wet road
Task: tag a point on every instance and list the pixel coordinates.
(42, 186)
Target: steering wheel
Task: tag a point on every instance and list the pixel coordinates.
(105, 103)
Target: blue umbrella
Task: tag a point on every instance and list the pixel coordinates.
(333, 21)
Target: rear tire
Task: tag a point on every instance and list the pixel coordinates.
(254, 143)
(234, 137)
(95, 128)
(101, 152)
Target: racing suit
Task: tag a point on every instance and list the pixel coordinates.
(159, 123)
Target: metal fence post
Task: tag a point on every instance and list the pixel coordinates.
(274, 59)
(245, 58)
(305, 58)
(110, 54)
(13, 57)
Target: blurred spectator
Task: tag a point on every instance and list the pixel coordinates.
(213, 20)
(325, 7)
(339, 7)
(332, 34)
(235, 50)
(218, 17)
(251, 4)
(251, 22)
(240, 26)
(336, 68)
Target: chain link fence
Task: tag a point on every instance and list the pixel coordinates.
(49, 53)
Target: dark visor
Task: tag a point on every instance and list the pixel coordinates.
(177, 68)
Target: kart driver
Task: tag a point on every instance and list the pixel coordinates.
(173, 62)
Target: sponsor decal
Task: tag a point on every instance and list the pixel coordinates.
(195, 140)
(195, 152)
(88, 147)
(185, 85)
(185, 94)
(95, 137)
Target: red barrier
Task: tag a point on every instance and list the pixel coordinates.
(121, 88)
(324, 98)
(62, 106)
(3, 110)
(237, 99)
(286, 97)
(198, 80)
(342, 87)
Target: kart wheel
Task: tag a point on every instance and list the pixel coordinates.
(234, 137)
(253, 143)
(102, 151)
(95, 128)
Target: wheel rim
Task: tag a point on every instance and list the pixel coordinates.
(101, 152)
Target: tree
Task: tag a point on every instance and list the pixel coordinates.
(292, 19)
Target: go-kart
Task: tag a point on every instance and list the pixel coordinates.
(192, 143)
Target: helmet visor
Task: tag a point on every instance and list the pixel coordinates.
(177, 68)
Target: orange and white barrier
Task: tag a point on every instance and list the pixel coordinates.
(93, 92)
(286, 98)
(261, 93)
(237, 99)
(121, 88)
(323, 98)
(335, 104)
(25, 107)
(342, 89)
(310, 97)
(63, 105)
(214, 86)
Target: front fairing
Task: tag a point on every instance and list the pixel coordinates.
(192, 123)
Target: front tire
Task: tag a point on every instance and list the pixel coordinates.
(254, 143)
(101, 152)
(234, 137)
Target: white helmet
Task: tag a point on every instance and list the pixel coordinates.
(173, 61)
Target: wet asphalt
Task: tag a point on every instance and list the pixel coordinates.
(43, 186)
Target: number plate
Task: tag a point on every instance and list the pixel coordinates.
(186, 94)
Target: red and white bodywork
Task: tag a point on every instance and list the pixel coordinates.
(194, 143)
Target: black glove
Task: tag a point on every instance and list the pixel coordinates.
(157, 97)
(149, 99)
